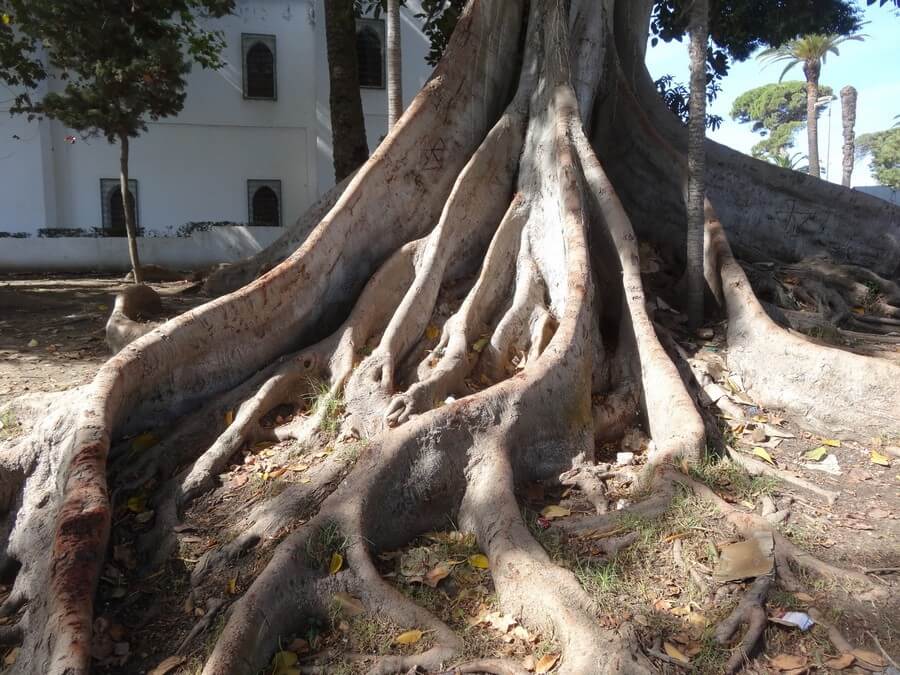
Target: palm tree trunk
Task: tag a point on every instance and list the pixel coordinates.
(848, 120)
(811, 70)
(128, 207)
(394, 84)
(348, 126)
(696, 162)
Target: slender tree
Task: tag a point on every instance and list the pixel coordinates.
(696, 190)
(122, 65)
(883, 149)
(848, 121)
(348, 126)
(394, 63)
(809, 51)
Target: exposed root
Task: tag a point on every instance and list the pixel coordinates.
(493, 666)
(750, 611)
(757, 468)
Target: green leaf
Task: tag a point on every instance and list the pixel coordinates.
(818, 454)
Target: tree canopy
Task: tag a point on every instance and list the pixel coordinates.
(884, 149)
(776, 111)
(121, 63)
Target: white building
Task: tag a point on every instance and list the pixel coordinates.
(252, 146)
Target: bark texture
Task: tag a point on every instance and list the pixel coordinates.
(474, 298)
(811, 70)
(394, 63)
(348, 126)
(848, 121)
(696, 192)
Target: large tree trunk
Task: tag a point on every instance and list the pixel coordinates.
(394, 63)
(128, 206)
(811, 70)
(348, 127)
(696, 162)
(474, 298)
(848, 121)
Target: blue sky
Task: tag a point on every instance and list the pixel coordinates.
(873, 67)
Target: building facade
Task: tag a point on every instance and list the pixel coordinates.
(252, 145)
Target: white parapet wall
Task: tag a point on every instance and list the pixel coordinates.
(197, 251)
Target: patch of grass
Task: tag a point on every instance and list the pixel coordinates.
(711, 658)
(600, 580)
(720, 473)
(551, 539)
(9, 424)
(873, 296)
(324, 543)
(330, 407)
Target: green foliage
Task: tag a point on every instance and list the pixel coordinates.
(884, 149)
(122, 63)
(739, 28)
(776, 111)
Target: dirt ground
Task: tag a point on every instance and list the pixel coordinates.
(52, 328)
(664, 584)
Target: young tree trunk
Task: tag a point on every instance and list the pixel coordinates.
(811, 70)
(129, 207)
(848, 121)
(348, 126)
(696, 162)
(474, 300)
(394, 63)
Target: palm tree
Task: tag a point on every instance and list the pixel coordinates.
(810, 51)
(788, 161)
(395, 90)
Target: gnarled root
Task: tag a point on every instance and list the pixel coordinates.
(750, 611)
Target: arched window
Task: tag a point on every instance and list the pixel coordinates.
(265, 202)
(259, 66)
(370, 52)
(113, 212)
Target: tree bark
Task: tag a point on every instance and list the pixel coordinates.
(811, 70)
(848, 121)
(129, 207)
(348, 127)
(696, 162)
(474, 306)
(394, 63)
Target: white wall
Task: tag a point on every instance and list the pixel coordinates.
(195, 167)
(110, 254)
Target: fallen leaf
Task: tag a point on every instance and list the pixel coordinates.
(144, 442)
(348, 604)
(409, 637)
(871, 658)
(879, 459)
(32, 343)
(480, 344)
(479, 560)
(788, 661)
(232, 586)
(831, 442)
(284, 663)
(337, 562)
(804, 597)
(229, 417)
(11, 657)
(762, 454)
(435, 574)
(817, 454)
(545, 663)
(554, 511)
(843, 661)
(432, 332)
(168, 665)
(137, 503)
(675, 653)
